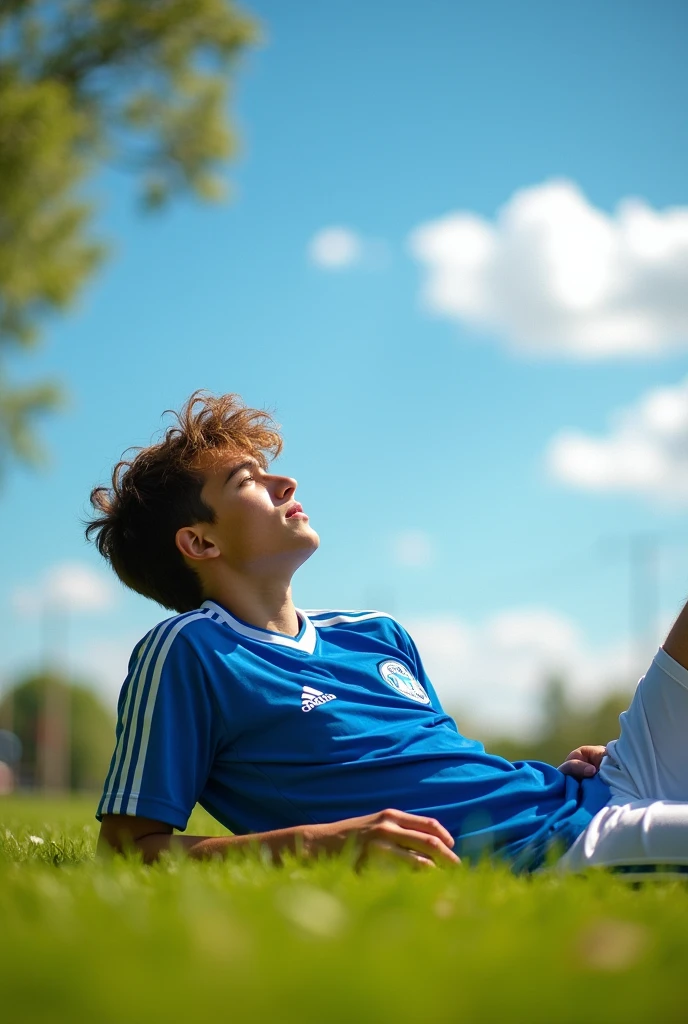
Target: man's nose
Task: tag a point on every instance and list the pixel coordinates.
(285, 486)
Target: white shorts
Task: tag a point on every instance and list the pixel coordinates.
(646, 820)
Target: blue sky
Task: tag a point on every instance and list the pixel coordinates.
(424, 441)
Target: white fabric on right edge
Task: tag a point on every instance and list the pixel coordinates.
(649, 761)
(645, 823)
(640, 833)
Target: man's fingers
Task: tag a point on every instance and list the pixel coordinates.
(422, 842)
(594, 754)
(585, 755)
(579, 769)
(390, 852)
(418, 823)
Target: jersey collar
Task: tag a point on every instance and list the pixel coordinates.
(304, 641)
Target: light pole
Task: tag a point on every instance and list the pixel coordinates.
(53, 740)
(643, 590)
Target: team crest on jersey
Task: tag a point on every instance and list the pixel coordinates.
(400, 679)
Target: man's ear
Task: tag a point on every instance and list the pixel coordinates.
(194, 545)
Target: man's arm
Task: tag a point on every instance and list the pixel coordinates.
(389, 834)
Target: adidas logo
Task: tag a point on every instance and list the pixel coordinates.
(311, 698)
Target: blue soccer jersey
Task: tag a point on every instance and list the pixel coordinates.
(267, 731)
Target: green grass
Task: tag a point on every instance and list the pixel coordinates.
(86, 941)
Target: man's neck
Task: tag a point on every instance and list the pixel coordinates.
(263, 603)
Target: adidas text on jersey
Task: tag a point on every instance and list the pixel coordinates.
(311, 698)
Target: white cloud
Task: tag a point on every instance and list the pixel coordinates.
(556, 276)
(645, 451)
(68, 586)
(335, 248)
(340, 248)
(493, 673)
(413, 549)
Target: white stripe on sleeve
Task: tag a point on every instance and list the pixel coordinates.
(150, 708)
(126, 717)
(128, 747)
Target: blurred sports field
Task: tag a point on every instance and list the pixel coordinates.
(89, 941)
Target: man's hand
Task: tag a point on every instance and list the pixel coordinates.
(385, 836)
(389, 835)
(583, 762)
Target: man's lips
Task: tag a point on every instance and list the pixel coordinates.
(296, 512)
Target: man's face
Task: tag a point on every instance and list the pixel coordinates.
(259, 526)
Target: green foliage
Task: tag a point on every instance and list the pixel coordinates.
(18, 408)
(114, 940)
(91, 728)
(142, 86)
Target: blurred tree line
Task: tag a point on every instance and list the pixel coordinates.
(91, 728)
(564, 727)
(139, 86)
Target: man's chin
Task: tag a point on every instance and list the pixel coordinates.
(310, 542)
(301, 545)
(304, 535)
(287, 559)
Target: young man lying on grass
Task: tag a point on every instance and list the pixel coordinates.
(294, 729)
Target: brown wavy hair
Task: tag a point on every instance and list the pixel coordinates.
(157, 490)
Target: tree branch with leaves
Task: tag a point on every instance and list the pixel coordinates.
(141, 84)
